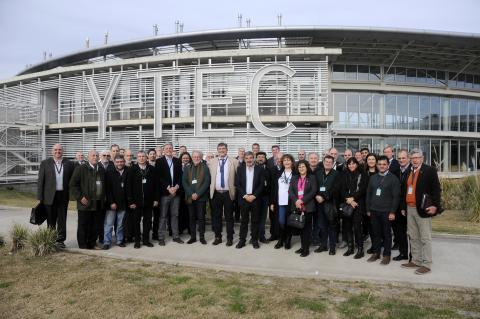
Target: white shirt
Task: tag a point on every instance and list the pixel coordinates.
(218, 184)
(249, 183)
(58, 166)
(170, 166)
(283, 185)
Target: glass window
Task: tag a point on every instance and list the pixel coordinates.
(413, 143)
(403, 143)
(339, 72)
(390, 111)
(352, 143)
(352, 110)
(478, 116)
(463, 156)
(472, 116)
(463, 115)
(435, 113)
(454, 167)
(365, 142)
(461, 80)
(445, 117)
(339, 106)
(363, 72)
(365, 115)
(399, 74)
(425, 146)
(425, 113)
(431, 77)
(377, 101)
(468, 81)
(339, 144)
(389, 75)
(441, 78)
(402, 112)
(421, 76)
(351, 72)
(435, 154)
(454, 111)
(374, 73)
(411, 75)
(471, 156)
(476, 82)
(452, 80)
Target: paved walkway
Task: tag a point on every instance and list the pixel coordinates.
(456, 260)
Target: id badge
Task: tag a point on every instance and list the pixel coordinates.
(300, 193)
(379, 191)
(144, 180)
(322, 189)
(194, 181)
(99, 183)
(121, 184)
(410, 190)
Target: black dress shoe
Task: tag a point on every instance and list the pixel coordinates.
(137, 246)
(359, 254)
(370, 250)
(255, 245)
(332, 251)
(320, 249)
(203, 241)
(263, 240)
(191, 241)
(349, 252)
(299, 251)
(161, 242)
(122, 244)
(400, 257)
(229, 242)
(178, 240)
(60, 245)
(305, 253)
(217, 241)
(278, 245)
(106, 247)
(240, 244)
(148, 244)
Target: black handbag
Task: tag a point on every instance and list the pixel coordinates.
(38, 214)
(296, 220)
(346, 210)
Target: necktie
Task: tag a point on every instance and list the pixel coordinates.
(222, 174)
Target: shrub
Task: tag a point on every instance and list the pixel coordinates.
(43, 241)
(19, 235)
(452, 193)
(471, 200)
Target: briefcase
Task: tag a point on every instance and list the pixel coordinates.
(38, 214)
(296, 220)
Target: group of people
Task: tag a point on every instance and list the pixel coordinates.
(329, 204)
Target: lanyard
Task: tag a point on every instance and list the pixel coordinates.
(301, 182)
(59, 171)
(286, 179)
(325, 178)
(383, 178)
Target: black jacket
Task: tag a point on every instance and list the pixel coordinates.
(352, 186)
(241, 182)
(117, 188)
(83, 184)
(427, 183)
(164, 179)
(310, 190)
(47, 182)
(394, 168)
(331, 184)
(139, 193)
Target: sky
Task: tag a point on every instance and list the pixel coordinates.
(30, 27)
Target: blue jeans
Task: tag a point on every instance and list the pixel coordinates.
(108, 226)
(282, 215)
(262, 216)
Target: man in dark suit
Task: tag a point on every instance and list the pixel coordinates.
(261, 160)
(399, 225)
(272, 160)
(250, 183)
(87, 187)
(53, 191)
(141, 198)
(169, 177)
(275, 172)
(393, 165)
(422, 201)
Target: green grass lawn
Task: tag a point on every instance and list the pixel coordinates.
(70, 285)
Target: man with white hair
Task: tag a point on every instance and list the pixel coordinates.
(87, 187)
(52, 190)
(422, 201)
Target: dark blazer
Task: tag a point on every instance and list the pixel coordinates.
(270, 162)
(310, 190)
(138, 193)
(83, 184)
(267, 180)
(394, 168)
(46, 183)
(164, 179)
(349, 182)
(427, 183)
(331, 184)
(241, 182)
(117, 188)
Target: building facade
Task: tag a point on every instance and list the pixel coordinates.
(301, 88)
